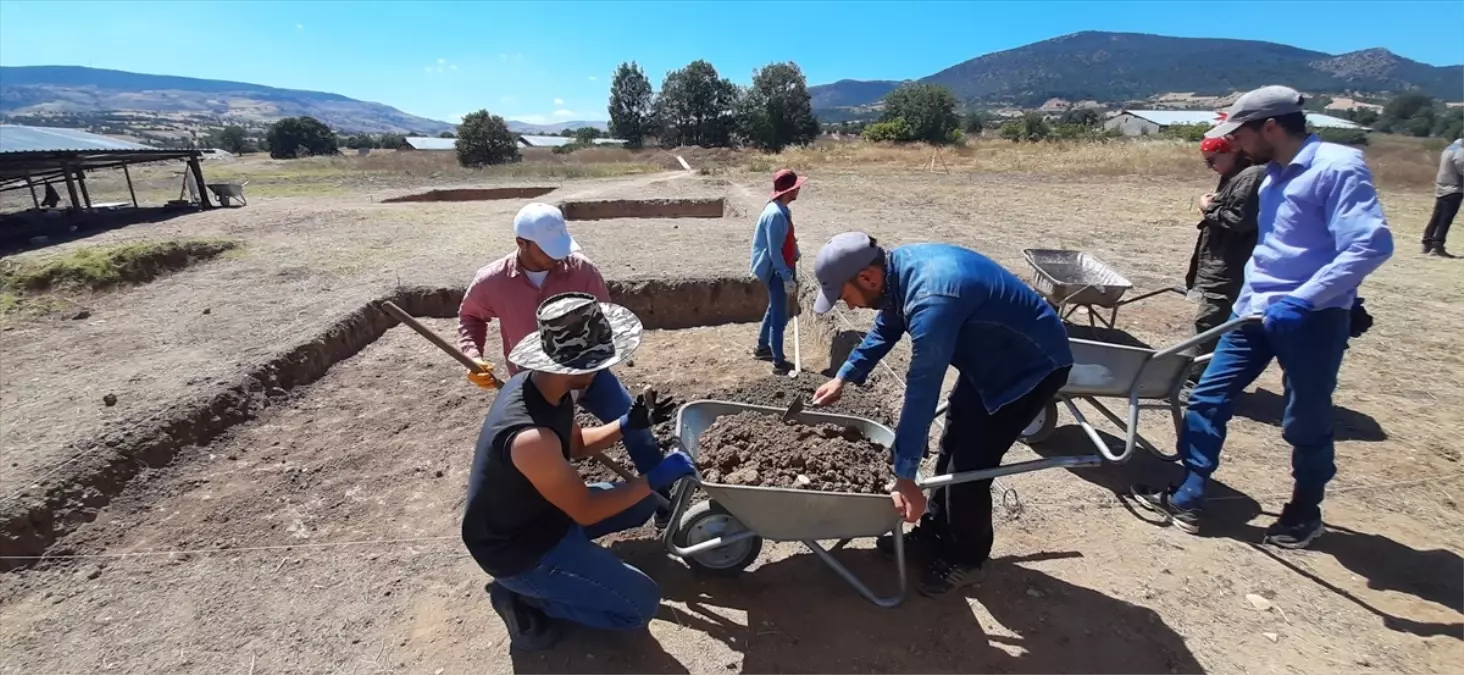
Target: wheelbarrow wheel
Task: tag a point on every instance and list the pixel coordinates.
(1042, 425)
(709, 520)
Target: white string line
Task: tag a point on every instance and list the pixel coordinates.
(337, 544)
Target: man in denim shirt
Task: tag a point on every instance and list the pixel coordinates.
(1322, 232)
(1009, 346)
(774, 257)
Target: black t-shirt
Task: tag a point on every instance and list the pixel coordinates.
(508, 526)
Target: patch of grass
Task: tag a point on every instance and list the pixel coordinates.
(99, 268)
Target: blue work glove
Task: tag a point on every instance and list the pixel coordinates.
(1285, 315)
(648, 410)
(672, 468)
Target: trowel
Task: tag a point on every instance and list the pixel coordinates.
(793, 410)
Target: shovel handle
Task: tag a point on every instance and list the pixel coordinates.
(407, 320)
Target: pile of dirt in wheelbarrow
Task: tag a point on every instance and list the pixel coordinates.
(753, 448)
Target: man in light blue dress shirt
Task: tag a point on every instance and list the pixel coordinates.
(1322, 232)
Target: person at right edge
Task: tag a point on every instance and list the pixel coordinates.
(1449, 190)
(961, 309)
(1322, 232)
(1227, 237)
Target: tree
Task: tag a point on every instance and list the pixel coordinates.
(929, 110)
(976, 121)
(393, 141)
(586, 135)
(295, 137)
(1086, 118)
(631, 105)
(232, 139)
(484, 138)
(447, 134)
(776, 111)
(1031, 127)
(696, 107)
(1412, 113)
(1451, 124)
(894, 131)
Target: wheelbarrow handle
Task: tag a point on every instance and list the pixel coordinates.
(1008, 470)
(1208, 335)
(1150, 294)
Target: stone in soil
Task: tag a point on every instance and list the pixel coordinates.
(752, 448)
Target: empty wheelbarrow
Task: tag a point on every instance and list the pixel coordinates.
(1147, 379)
(1073, 279)
(724, 534)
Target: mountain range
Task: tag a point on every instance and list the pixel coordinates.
(1117, 68)
(42, 91)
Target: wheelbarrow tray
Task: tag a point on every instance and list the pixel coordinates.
(1075, 278)
(786, 514)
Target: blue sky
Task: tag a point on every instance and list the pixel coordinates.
(546, 61)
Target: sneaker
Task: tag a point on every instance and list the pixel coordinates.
(782, 367)
(1439, 252)
(661, 519)
(763, 354)
(919, 541)
(1427, 249)
(529, 629)
(1162, 503)
(1294, 529)
(944, 576)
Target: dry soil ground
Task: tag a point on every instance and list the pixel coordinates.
(321, 534)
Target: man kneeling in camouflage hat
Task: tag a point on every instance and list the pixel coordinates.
(530, 519)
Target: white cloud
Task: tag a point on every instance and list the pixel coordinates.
(426, 69)
(299, 26)
(558, 101)
(441, 61)
(563, 114)
(592, 78)
(452, 67)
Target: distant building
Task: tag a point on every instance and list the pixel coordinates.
(431, 143)
(1146, 122)
(557, 141)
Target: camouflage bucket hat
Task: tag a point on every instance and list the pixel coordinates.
(578, 335)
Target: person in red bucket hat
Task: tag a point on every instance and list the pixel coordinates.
(774, 260)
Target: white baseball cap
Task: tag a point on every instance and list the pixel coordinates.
(543, 224)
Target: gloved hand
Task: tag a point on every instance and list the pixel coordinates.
(648, 411)
(673, 467)
(1286, 314)
(485, 379)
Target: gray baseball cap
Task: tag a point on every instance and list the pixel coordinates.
(1270, 101)
(839, 261)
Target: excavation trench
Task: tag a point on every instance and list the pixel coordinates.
(35, 518)
(644, 208)
(472, 195)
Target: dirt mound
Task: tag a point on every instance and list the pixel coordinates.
(756, 449)
(778, 391)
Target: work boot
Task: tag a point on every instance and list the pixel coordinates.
(1427, 248)
(920, 543)
(782, 367)
(1440, 252)
(1296, 527)
(1162, 503)
(763, 354)
(529, 629)
(944, 576)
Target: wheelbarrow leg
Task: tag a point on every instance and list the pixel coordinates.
(887, 602)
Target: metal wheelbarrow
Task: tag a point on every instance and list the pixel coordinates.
(724, 534)
(1148, 379)
(227, 191)
(1070, 280)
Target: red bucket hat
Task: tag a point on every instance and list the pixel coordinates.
(785, 181)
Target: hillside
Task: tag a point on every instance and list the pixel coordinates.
(553, 129)
(43, 91)
(1121, 67)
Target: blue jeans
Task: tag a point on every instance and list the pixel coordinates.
(775, 320)
(1310, 356)
(608, 400)
(579, 581)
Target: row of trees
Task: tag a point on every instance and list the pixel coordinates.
(294, 137)
(697, 106)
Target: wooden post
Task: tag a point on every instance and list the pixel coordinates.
(85, 195)
(30, 184)
(130, 191)
(71, 188)
(197, 170)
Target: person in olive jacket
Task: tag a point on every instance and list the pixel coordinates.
(1227, 236)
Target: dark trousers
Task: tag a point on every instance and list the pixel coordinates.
(1214, 309)
(959, 516)
(1445, 208)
